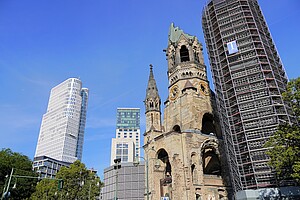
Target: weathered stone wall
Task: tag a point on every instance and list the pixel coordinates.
(185, 150)
(188, 147)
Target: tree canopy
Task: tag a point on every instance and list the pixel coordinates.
(284, 147)
(78, 183)
(292, 96)
(22, 166)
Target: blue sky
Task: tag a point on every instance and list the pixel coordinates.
(109, 45)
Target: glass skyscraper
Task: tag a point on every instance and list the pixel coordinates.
(62, 129)
(249, 78)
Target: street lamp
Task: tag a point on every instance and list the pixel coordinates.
(6, 193)
(117, 166)
(157, 165)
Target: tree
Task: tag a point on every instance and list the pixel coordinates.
(284, 146)
(78, 183)
(292, 96)
(45, 189)
(22, 166)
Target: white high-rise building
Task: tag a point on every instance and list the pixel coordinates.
(125, 180)
(126, 145)
(62, 129)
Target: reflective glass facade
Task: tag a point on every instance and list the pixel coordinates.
(62, 129)
(128, 118)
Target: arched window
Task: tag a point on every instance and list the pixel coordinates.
(194, 159)
(151, 104)
(177, 129)
(193, 172)
(211, 162)
(208, 124)
(152, 118)
(164, 157)
(184, 54)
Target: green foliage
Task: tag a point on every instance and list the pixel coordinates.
(284, 146)
(78, 183)
(285, 151)
(45, 189)
(292, 96)
(22, 166)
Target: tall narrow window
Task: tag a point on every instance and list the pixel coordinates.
(208, 124)
(184, 54)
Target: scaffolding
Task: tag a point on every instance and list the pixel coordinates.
(248, 85)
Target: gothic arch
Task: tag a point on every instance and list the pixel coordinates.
(194, 167)
(184, 54)
(176, 128)
(210, 158)
(151, 105)
(164, 157)
(208, 126)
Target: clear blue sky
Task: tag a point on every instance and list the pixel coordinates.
(109, 45)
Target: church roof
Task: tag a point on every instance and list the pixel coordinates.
(176, 32)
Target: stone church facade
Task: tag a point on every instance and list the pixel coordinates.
(185, 153)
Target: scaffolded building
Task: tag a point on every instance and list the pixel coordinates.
(249, 78)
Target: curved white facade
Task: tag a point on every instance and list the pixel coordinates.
(62, 129)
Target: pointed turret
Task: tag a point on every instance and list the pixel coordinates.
(151, 91)
(152, 104)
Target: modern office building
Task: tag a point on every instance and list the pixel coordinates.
(62, 129)
(48, 167)
(126, 183)
(126, 145)
(249, 78)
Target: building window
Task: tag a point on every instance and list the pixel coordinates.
(122, 152)
(184, 54)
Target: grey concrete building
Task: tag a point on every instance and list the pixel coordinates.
(128, 182)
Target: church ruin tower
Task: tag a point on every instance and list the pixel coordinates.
(185, 157)
(152, 105)
(189, 93)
